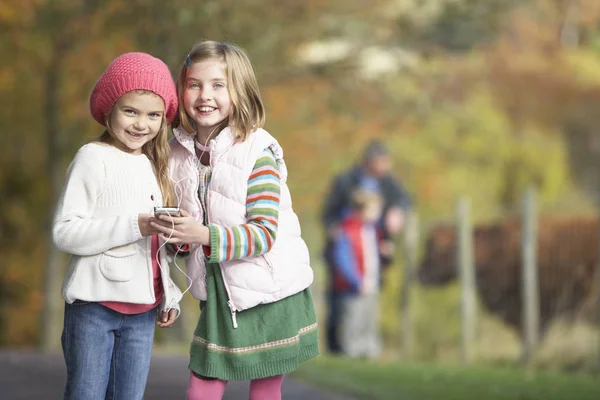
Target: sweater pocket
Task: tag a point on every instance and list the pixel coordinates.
(116, 263)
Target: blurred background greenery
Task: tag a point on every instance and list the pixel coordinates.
(477, 98)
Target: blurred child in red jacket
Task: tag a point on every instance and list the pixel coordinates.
(356, 255)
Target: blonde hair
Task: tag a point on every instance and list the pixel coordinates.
(247, 111)
(361, 199)
(157, 150)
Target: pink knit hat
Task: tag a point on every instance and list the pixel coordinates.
(133, 71)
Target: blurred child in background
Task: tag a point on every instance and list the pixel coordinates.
(357, 264)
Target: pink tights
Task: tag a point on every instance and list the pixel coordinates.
(213, 389)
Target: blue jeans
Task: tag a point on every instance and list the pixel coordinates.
(107, 353)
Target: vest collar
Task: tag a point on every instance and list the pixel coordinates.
(221, 143)
(217, 146)
(185, 139)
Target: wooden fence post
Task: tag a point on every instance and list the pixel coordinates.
(530, 297)
(410, 251)
(466, 272)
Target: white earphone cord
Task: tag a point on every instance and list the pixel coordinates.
(178, 192)
(179, 195)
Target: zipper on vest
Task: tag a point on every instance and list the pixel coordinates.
(270, 266)
(233, 314)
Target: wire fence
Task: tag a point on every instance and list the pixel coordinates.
(523, 289)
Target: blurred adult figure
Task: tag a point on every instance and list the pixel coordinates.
(373, 173)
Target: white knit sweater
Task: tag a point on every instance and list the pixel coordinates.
(96, 221)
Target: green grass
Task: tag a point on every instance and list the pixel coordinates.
(417, 381)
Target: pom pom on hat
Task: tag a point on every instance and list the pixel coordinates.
(133, 71)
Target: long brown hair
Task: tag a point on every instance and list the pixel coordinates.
(247, 111)
(157, 150)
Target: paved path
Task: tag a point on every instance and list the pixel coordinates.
(28, 375)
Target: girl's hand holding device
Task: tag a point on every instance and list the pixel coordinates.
(180, 230)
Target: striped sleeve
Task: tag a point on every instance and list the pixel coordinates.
(258, 234)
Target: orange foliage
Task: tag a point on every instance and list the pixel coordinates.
(322, 117)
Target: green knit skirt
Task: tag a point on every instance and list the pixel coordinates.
(270, 339)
